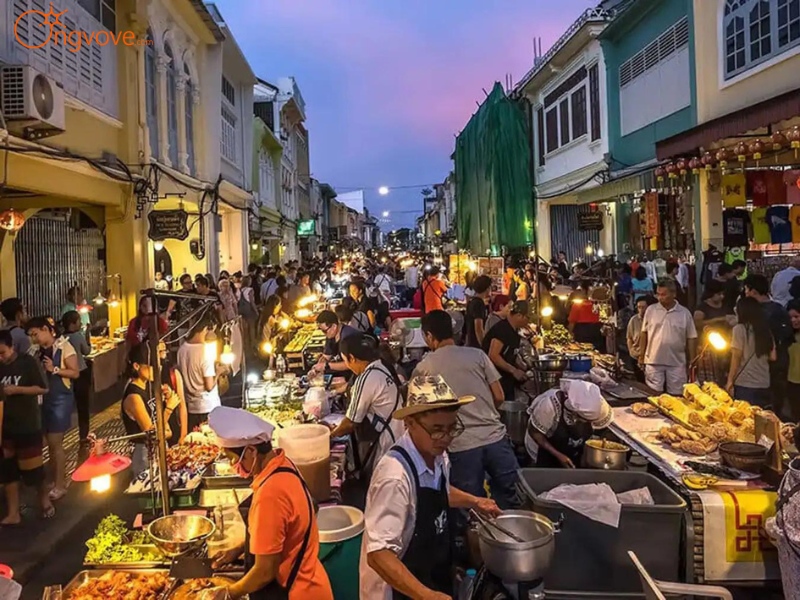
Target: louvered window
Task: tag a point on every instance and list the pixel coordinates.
(86, 71)
(172, 106)
(227, 139)
(756, 31)
(594, 100)
(659, 50)
(151, 95)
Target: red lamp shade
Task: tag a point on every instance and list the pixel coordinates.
(12, 220)
(97, 466)
(722, 157)
(778, 140)
(708, 161)
(756, 148)
(741, 151)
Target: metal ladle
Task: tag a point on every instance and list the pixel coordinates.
(487, 523)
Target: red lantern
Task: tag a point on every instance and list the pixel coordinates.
(660, 172)
(741, 152)
(756, 148)
(672, 170)
(681, 165)
(778, 141)
(695, 164)
(708, 161)
(722, 157)
(12, 220)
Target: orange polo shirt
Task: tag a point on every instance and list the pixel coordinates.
(278, 521)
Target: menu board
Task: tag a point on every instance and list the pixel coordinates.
(494, 267)
(459, 267)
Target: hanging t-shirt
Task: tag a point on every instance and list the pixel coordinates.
(734, 254)
(761, 234)
(734, 227)
(733, 190)
(780, 227)
(776, 189)
(794, 217)
(790, 181)
(757, 187)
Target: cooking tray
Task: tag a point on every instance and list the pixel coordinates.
(214, 481)
(84, 576)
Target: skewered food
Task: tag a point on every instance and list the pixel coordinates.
(121, 585)
(644, 409)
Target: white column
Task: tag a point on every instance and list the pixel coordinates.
(180, 109)
(162, 63)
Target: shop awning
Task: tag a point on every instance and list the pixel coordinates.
(750, 118)
(621, 185)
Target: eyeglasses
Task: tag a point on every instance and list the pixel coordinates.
(438, 435)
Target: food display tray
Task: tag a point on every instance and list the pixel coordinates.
(175, 492)
(84, 576)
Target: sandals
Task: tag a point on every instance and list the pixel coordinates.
(57, 494)
(49, 513)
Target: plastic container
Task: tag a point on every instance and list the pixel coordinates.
(466, 584)
(309, 447)
(340, 532)
(591, 558)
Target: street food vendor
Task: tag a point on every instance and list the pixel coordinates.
(501, 343)
(561, 421)
(406, 550)
(281, 557)
(328, 323)
(374, 396)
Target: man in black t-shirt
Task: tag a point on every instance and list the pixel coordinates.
(22, 380)
(477, 311)
(501, 344)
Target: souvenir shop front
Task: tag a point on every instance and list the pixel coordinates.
(746, 168)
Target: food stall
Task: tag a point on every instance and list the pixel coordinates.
(725, 457)
(107, 359)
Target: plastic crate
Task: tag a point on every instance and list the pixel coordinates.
(591, 558)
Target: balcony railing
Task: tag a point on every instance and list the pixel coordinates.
(86, 71)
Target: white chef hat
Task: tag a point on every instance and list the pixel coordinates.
(585, 400)
(237, 428)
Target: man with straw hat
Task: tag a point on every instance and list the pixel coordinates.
(406, 550)
(281, 557)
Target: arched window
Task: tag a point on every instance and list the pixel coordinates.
(189, 94)
(151, 93)
(754, 31)
(172, 106)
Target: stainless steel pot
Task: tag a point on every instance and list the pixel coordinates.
(515, 562)
(550, 362)
(514, 416)
(609, 459)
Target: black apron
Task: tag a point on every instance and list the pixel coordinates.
(273, 590)
(429, 556)
(366, 437)
(568, 439)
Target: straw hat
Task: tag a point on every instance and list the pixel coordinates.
(427, 393)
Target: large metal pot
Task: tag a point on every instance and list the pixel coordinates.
(609, 459)
(550, 362)
(514, 416)
(515, 562)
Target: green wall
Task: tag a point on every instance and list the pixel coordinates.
(639, 25)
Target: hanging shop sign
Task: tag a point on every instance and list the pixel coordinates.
(168, 224)
(590, 221)
(306, 228)
(494, 267)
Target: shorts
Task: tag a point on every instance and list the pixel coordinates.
(57, 412)
(21, 459)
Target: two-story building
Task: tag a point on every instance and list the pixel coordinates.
(747, 134)
(566, 89)
(291, 114)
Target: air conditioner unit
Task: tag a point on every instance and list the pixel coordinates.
(32, 102)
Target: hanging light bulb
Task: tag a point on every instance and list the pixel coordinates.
(99, 300)
(285, 323)
(158, 246)
(589, 249)
(12, 220)
(267, 347)
(227, 357)
(600, 253)
(113, 301)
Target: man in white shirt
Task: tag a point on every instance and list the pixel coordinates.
(200, 371)
(668, 336)
(783, 280)
(384, 284)
(406, 548)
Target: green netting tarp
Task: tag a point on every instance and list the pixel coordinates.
(494, 205)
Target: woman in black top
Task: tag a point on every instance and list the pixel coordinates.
(138, 404)
(360, 302)
(171, 388)
(477, 312)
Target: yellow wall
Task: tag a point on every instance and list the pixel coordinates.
(717, 97)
